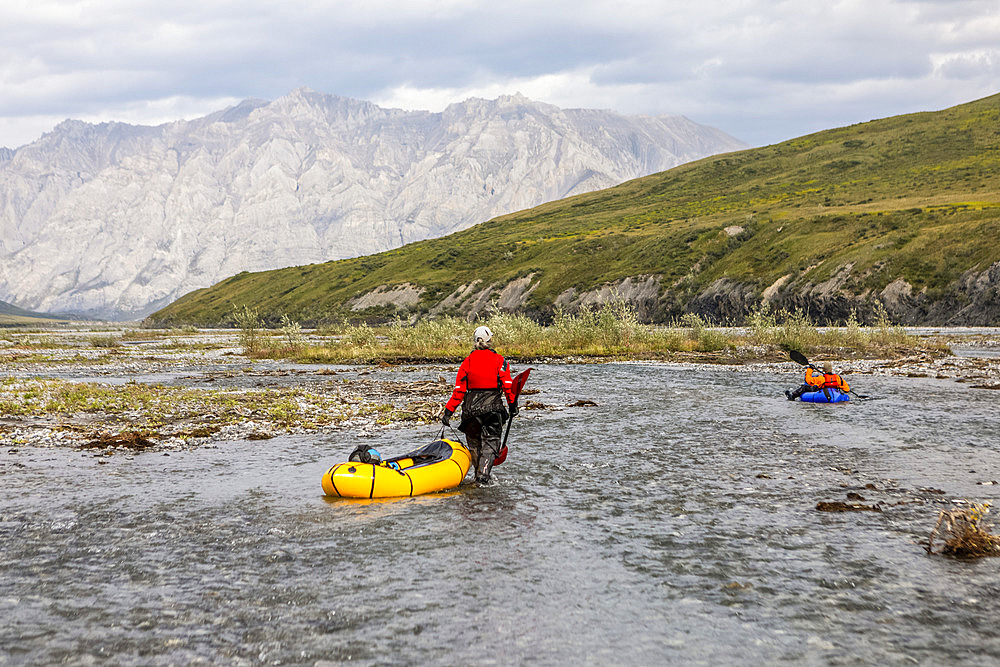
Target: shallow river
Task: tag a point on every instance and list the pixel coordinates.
(675, 521)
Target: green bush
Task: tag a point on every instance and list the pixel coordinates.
(292, 332)
(362, 336)
(104, 341)
(248, 322)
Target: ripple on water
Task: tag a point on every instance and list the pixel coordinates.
(674, 520)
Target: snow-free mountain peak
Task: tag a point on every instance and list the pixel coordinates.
(117, 220)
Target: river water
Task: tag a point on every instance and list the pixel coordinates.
(675, 521)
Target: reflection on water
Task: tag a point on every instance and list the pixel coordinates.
(674, 521)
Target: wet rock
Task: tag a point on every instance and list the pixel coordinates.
(582, 403)
(838, 506)
(199, 432)
(133, 440)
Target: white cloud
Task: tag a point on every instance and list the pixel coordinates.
(762, 70)
(139, 112)
(566, 89)
(979, 63)
(156, 112)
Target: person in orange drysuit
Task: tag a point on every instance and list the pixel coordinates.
(816, 381)
(483, 388)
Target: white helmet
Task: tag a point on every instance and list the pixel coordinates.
(482, 334)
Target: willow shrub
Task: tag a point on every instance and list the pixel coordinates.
(700, 337)
(248, 321)
(515, 332)
(427, 339)
(612, 330)
(796, 331)
(886, 333)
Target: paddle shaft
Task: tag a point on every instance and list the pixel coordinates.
(510, 420)
(519, 382)
(502, 454)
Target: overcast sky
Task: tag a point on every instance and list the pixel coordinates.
(761, 70)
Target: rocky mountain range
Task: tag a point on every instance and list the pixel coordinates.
(115, 220)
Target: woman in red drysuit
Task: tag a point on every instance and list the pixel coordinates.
(483, 387)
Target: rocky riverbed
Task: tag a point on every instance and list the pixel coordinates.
(115, 391)
(183, 391)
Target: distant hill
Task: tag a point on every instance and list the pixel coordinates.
(12, 315)
(902, 212)
(115, 220)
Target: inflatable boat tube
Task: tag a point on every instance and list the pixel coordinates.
(438, 466)
(829, 395)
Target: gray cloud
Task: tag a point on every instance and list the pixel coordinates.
(763, 70)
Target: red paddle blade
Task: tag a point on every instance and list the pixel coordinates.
(501, 457)
(518, 384)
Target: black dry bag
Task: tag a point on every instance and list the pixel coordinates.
(365, 454)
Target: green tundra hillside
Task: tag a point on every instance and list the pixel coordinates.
(11, 315)
(902, 212)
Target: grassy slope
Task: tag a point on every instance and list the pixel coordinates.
(914, 196)
(11, 315)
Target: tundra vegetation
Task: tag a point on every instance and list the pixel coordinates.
(12, 316)
(825, 223)
(610, 332)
